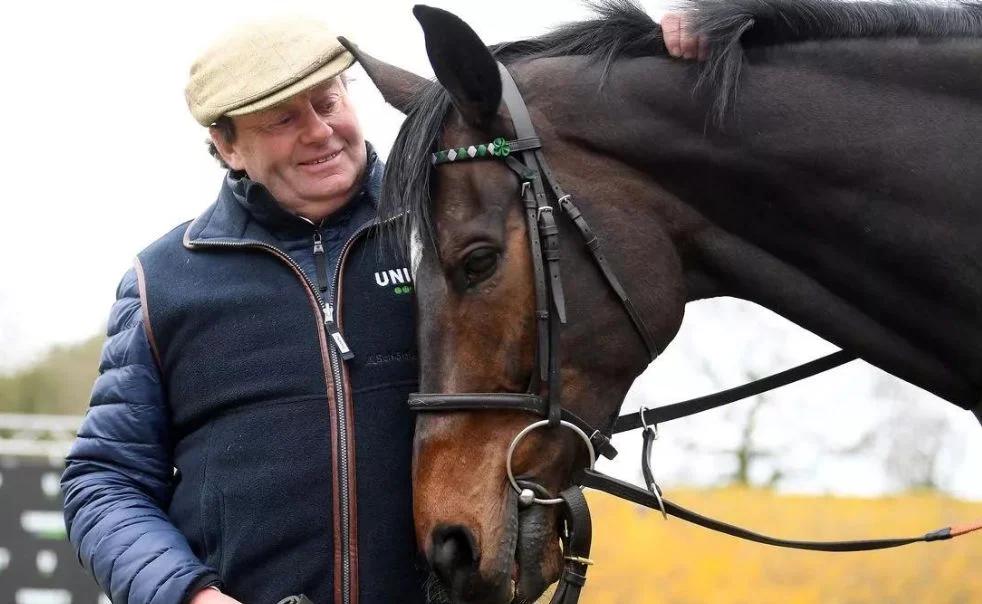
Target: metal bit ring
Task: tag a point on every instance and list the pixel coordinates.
(518, 438)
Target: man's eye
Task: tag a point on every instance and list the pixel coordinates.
(280, 121)
(326, 108)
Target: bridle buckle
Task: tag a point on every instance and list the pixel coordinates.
(653, 428)
(579, 560)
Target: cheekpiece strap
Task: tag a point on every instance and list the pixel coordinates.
(576, 547)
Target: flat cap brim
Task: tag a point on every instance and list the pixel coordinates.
(331, 69)
(258, 65)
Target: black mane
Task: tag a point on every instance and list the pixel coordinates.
(731, 26)
(622, 29)
(770, 22)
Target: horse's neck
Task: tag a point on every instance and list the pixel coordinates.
(842, 193)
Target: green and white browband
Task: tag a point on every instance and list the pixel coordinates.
(496, 149)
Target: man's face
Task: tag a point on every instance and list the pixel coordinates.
(308, 151)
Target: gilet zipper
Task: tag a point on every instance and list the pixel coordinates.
(347, 562)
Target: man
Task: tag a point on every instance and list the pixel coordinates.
(248, 437)
(238, 446)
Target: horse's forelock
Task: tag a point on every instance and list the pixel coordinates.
(406, 184)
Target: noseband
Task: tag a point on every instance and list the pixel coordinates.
(550, 312)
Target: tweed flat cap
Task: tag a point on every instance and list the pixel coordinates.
(260, 64)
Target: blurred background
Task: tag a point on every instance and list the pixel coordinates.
(100, 157)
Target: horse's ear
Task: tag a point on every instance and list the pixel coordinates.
(398, 86)
(462, 63)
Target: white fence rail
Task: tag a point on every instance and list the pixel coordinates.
(49, 436)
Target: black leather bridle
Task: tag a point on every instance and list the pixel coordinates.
(524, 156)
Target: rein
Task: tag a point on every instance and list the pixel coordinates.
(550, 312)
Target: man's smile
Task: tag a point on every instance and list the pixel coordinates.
(323, 159)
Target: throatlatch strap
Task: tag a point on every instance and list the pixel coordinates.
(593, 244)
(624, 490)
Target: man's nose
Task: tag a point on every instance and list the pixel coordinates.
(316, 127)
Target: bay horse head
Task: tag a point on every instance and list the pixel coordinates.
(684, 211)
(473, 269)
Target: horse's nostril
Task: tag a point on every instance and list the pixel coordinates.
(453, 551)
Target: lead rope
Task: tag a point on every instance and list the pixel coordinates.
(624, 490)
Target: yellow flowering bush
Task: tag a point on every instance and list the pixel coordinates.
(641, 558)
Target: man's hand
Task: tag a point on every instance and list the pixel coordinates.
(678, 39)
(210, 595)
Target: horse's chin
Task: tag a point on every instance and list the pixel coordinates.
(538, 556)
(536, 561)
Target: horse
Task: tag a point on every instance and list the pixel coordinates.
(822, 162)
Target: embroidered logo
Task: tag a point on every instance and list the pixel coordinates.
(399, 278)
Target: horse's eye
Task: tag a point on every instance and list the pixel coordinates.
(480, 264)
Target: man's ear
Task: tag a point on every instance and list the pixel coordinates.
(462, 63)
(398, 86)
(226, 149)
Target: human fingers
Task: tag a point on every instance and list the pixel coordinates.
(671, 28)
(688, 40)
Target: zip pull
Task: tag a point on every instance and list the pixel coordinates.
(320, 261)
(335, 333)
